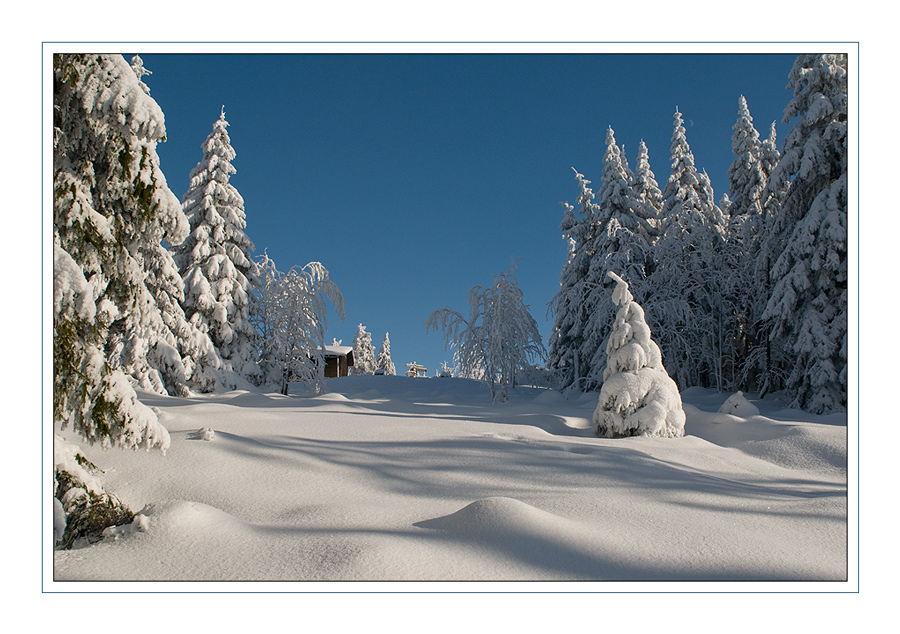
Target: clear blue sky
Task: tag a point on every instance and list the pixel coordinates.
(413, 178)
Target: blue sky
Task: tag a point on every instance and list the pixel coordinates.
(414, 177)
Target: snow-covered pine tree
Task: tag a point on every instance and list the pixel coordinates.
(214, 260)
(570, 303)
(749, 286)
(161, 352)
(687, 304)
(110, 201)
(808, 306)
(621, 243)
(745, 175)
(383, 361)
(499, 338)
(646, 190)
(363, 352)
(638, 398)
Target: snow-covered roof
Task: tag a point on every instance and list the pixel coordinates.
(337, 351)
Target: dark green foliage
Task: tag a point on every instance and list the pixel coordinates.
(88, 513)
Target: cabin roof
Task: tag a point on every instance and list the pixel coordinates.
(337, 351)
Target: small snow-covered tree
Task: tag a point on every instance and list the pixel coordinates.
(289, 313)
(383, 361)
(808, 308)
(499, 338)
(638, 398)
(214, 259)
(363, 352)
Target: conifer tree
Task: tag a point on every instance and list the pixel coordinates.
(808, 306)
(110, 202)
(748, 177)
(621, 244)
(214, 260)
(687, 304)
(638, 398)
(570, 304)
(646, 190)
(383, 361)
(745, 175)
(363, 352)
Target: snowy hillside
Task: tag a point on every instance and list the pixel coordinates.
(393, 478)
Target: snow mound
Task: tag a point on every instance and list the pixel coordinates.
(497, 517)
(549, 397)
(738, 405)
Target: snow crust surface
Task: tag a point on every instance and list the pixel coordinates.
(391, 478)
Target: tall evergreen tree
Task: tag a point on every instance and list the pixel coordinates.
(383, 361)
(808, 306)
(647, 191)
(570, 304)
(110, 201)
(686, 308)
(745, 175)
(749, 178)
(215, 261)
(621, 244)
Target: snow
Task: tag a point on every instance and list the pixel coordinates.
(394, 478)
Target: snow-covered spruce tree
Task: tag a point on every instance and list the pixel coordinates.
(363, 352)
(749, 285)
(646, 190)
(110, 201)
(214, 260)
(638, 398)
(570, 305)
(383, 361)
(621, 243)
(687, 304)
(746, 178)
(289, 314)
(499, 338)
(111, 208)
(808, 306)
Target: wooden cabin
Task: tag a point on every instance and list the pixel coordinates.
(338, 360)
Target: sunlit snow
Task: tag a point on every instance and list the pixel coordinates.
(397, 478)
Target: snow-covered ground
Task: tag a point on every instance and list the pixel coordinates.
(389, 478)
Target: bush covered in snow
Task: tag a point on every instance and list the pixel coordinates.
(638, 398)
(82, 509)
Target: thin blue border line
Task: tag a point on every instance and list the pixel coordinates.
(858, 359)
(438, 43)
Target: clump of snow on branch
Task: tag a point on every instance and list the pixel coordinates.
(638, 398)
